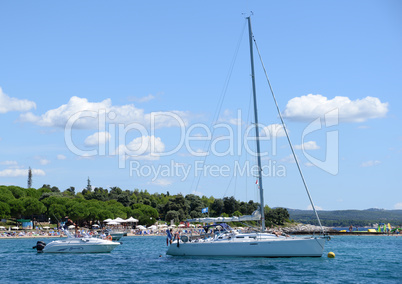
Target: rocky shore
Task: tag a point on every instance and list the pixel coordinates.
(303, 229)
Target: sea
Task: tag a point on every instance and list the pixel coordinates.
(358, 259)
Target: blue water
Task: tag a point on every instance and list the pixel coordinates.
(359, 259)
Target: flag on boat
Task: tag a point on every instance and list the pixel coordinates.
(168, 237)
(204, 210)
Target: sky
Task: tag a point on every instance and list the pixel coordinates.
(157, 95)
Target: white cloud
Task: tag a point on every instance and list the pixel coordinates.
(161, 182)
(98, 138)
(9, 163)
(310, 107)
(61, 157)
(288, 159)
(13, 104)
(20, 172)
(316, 207)
(142, 148)
(370, 163)
(227, 117)
(87, 115)
(273, 130)
(310, 145)
(199, 193)
(398, 205)
(145, 99)
(44, 162)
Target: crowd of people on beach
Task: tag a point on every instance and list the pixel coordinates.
(31, 233)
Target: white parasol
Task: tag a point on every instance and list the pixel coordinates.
(131, 220)
(113, 222)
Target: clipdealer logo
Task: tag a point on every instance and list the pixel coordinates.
(238, 139)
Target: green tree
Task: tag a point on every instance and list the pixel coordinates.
(33, 206)
(29, 178)
(146, 214)
(237, 213)
(78, 212)
(16, 208)
(4, 210)
(172, 215)
(100, 194)
(5, 194)
(57, 211)
(17, 191)
(217, 207)
(277, 216)
(70, 191)
(230, 205)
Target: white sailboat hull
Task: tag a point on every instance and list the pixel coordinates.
(272, 247)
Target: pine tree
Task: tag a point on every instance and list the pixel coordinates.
(89, 187)
(29, 178)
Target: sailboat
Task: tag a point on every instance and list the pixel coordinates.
(256, 244)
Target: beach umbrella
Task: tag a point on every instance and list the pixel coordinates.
(15, 228)
(95, 225)
(107, 220)
(131, 220)
(71, 227)
(46, 228)
(182, 226)
(153, 227)
(141, 227)
(113, 223)
(2, 228)
(120, 220)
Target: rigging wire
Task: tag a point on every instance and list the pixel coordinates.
(287, 135)
(219, 106)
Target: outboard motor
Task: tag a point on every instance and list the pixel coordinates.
(39, 246)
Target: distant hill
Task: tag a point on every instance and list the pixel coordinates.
(345, 218)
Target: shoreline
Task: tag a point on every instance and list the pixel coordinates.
(357, 233)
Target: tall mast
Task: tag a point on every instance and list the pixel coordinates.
(257, 135)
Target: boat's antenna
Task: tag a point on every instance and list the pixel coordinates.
(290, 143)
(257, 135)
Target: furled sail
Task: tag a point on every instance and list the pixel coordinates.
(255, 216)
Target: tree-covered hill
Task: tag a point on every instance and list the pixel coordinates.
(345, 218)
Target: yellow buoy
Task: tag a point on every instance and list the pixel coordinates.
(331, 254)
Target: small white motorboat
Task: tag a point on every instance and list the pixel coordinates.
(72, 244)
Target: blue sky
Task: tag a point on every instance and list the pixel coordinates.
(126, 93)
